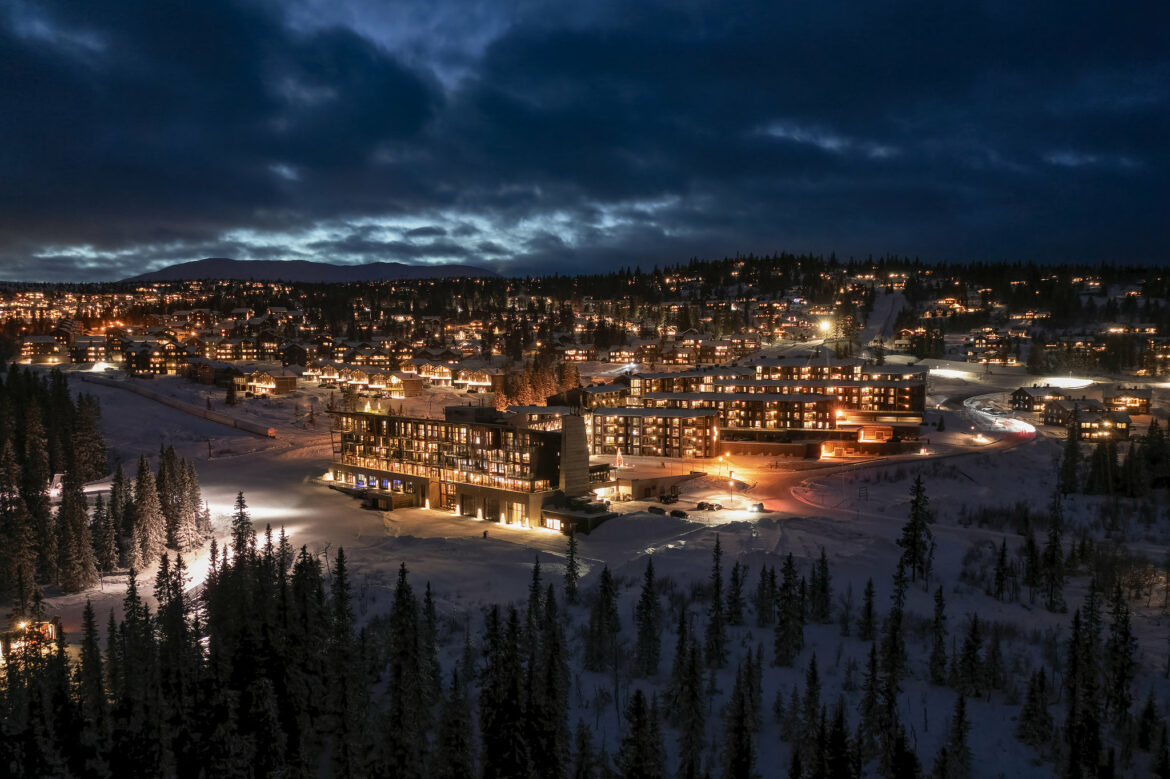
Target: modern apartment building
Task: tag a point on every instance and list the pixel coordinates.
(475, 462)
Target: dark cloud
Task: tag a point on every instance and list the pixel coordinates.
(611, 134)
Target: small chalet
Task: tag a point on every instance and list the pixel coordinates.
(1035, 397)
(1131, 400)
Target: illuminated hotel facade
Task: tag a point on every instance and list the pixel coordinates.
(473, 463)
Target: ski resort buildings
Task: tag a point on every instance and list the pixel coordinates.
(476, 462)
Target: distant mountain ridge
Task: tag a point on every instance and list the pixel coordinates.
(305, 271)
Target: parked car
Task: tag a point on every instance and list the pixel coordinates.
(679, 513)
(715, 506)
(656, 510)
(703, 506)
(668, 498)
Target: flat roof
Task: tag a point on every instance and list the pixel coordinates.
(668, 413)
(762, 397)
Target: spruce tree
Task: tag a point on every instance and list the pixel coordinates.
(453, 757)
(601, 645)
(916, 536)
(739, 749)
(648, 617)
(735, 594)
(956, 753)
(572, 570)
(405, 737)
(689, 706)
(1052, 560)
(149, 536)
(584, 762)
(715, 644)
(76, 565)
(1070, 464)
(1120, 664)
(105, 537)
(970, 676)
(789, 634)
(242, 531)
(867, 622)
(1034, 725)
(821, 591)
(764, 600)
(642, 753)
(938, 641)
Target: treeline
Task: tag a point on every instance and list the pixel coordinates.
(143, 516)
(1102, 471)
(533, 385)
(43, 431)
(266, 673)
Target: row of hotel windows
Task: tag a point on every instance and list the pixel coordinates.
(447, 474)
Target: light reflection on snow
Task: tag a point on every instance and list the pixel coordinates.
(1066, 382)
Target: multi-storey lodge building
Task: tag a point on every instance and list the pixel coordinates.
(475, 462)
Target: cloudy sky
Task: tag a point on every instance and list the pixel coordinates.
(532, 136)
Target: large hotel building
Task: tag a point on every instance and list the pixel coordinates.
(474, 462)
(507, 466)
(688, 413)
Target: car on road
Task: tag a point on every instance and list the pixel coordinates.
(715, 506)
(656, 509)
(679, 513)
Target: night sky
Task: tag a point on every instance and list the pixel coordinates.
(532, 136)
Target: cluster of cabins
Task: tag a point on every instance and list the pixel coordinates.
(1085, 418)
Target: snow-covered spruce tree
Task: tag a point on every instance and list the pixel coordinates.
(648, 619)
(150, 533)
(715, 643)
(34, 485)
(105, 537)
(18, 574)
(916, 535)
(788, 637)
(242, 531)
(572, 570)
(76, 565)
